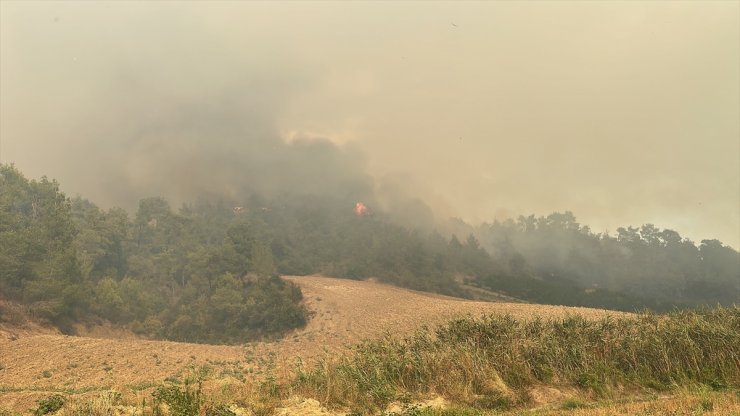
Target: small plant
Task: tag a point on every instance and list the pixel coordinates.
(172, 379)
(270, 387)
(185, 402)
(49, 405)
(113, 396)
(195, 374)
(571, 404)
(494, 401)
(410, 410)
(220, 410)
(233, 372)
(46, 374)
(706, 405)
(141, 386)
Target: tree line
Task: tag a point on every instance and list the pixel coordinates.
(209, 271)
(186, 275)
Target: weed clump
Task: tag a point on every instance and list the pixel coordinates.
(49, 405)
(180, 402)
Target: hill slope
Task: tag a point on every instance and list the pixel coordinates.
(34, 363)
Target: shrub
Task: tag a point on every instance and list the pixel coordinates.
(181, 402)
(50, 404)
(220, 410)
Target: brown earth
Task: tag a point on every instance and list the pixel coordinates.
(35, 361)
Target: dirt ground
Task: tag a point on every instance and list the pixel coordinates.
(36, 361)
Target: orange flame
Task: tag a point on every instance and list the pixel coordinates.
(360, 209)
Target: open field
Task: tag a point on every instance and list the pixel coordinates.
(401, 372)
(36, 362)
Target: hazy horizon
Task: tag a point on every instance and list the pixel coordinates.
(624, 113)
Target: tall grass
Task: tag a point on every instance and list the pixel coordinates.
(492, 362)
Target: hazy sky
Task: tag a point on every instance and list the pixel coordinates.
(622, 112)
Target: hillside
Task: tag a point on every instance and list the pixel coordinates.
(35, 362)
(208, 272)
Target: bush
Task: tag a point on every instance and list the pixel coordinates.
(220, 410)
(181, 402)
(50, 404)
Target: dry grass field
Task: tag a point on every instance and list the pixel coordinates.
(37, 361)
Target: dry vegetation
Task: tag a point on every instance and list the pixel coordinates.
(34, 364)
(343, 312)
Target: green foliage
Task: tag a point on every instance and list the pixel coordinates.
(220, 410)
(557, 260)
(202, 274)
(410, 410)
(37, 260)
(208, 272)
(570, 404)
(49, 405)
(180, 402)
(706, 405)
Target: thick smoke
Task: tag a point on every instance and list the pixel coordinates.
(222, 147)
(624, 113)
(133, 111)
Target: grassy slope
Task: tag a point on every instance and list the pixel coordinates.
(496, 361)
(518, 364)
(681, 363)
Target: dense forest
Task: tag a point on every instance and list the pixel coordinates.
(209, 271)
(197, 275)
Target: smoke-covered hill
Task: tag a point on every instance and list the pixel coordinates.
(208, 271)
